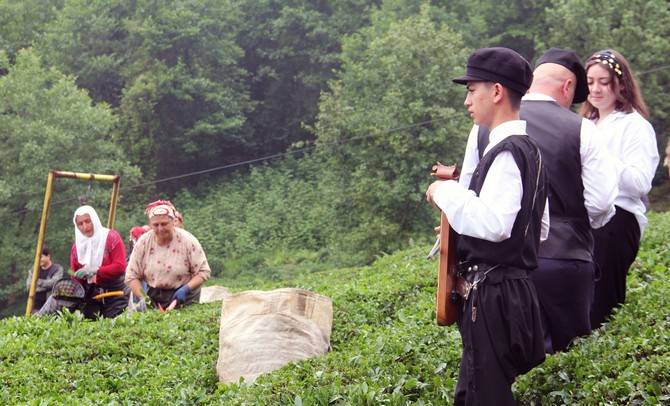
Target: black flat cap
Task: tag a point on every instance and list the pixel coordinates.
(569, 59)
(498, 65)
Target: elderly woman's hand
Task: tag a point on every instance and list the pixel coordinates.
(181, 293)
(85, 272)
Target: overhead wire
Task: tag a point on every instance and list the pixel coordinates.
(314, 145)
(266, 158)
(295, 151)
(283, 154)
(291, 152)
(659, 68)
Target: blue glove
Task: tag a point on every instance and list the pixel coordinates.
(181, 293)
(85, 273)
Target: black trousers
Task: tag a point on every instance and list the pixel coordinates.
(615, 249)
(108, 307)
(164, 296)
(565, 291)
(39, 300)
(502, 339)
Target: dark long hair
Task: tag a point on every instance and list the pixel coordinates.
(623, 84)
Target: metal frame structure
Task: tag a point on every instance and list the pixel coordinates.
(53, 175)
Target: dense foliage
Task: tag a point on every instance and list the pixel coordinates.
(255, 223)
(170, 68)
(382, 125)
(46, 122)
(357, 94)
(386, 348)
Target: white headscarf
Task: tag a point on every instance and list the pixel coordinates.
(90, 250)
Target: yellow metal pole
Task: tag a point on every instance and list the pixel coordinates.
(112, 204)
(40, 241)
(86, 176)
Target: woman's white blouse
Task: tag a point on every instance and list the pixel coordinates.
(630, 142)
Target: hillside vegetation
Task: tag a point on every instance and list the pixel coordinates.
(341, 106)
(386, 348)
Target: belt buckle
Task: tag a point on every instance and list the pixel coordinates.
(467, 289)
(463, 287)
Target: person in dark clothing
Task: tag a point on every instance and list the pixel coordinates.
(580, 187)
(49, 274)
(499, 220)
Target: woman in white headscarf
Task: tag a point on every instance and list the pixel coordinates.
(98, 260)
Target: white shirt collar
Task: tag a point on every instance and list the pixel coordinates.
(537, 97)
(616, 114)
(504, 130)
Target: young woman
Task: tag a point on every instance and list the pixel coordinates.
(616, 106)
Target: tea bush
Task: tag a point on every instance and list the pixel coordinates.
(386, 348)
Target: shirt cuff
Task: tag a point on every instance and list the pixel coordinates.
(450, 194)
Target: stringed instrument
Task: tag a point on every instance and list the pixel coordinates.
(446, 299)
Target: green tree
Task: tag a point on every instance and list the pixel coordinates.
(46, 122)
(291, 49)
(24, 21)
(394, 74)
(90, 40)
(516, 24)
(169, 68)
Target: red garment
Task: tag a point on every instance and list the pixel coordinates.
(137, 231)
(113, 260)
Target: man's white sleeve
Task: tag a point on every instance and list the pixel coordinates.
(491, 215)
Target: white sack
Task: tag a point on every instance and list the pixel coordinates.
(262, 331)
(213, 293)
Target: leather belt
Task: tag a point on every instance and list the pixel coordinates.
(469, 280)
(468, 267)
(470, 275)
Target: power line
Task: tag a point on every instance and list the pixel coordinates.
(284, 154)
(295, 151)
(291, 152)
(653, 70)
(265, 158)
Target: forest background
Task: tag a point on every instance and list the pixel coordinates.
(352, 101)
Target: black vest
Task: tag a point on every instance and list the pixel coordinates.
(520, 250)
(556, 131)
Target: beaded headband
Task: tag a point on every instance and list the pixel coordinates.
(607, 58)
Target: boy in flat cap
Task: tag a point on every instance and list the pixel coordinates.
(581, 186)
(499, 219)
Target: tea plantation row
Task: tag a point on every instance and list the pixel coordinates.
(386, 348)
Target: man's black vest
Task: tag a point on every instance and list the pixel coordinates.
(520, 250)
(556, 131)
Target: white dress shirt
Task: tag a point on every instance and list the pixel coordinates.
(598, 172)
(630, 142)
(491, 215)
